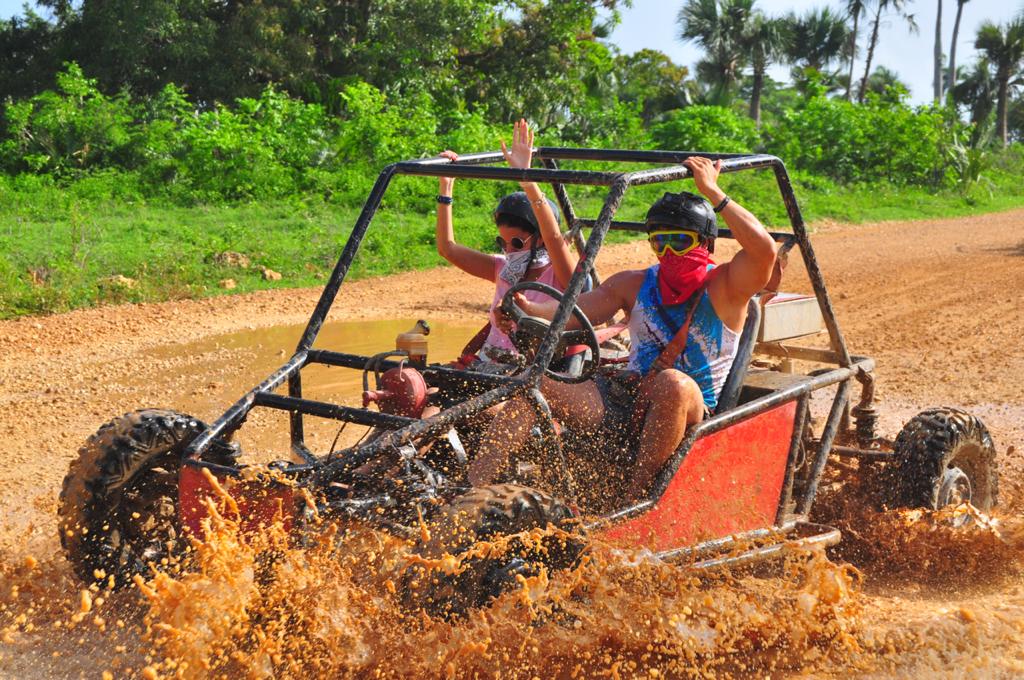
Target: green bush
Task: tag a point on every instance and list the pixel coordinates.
(607, 123)
(268, 147)
(277, 147)
(881, 140)
(705, 128)
(73, 128)
(380, 131)
(261, 148)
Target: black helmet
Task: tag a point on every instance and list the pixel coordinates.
(684, 211)
(518, 205)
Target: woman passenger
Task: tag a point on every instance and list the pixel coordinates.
(532, 245)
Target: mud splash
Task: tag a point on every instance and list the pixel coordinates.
(949, 550)
(265, 605)
(331, 609)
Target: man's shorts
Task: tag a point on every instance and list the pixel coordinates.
(622, 424)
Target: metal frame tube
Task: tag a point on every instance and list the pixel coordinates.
(796, 219)
(480, 158)
(828, 435)
(476, 166)
(324, 409)
(296, 427)
(358, 362)
(348, 254)
(828, 537)
(863, 454)
(802, 411)
(547, 347)
(435, 425)
(626, 155)
(234, 416)
(674, 173)
(510, 174)
(570, 217)
(546, 422)
(619, 516)
(717, 544)
(562, 196)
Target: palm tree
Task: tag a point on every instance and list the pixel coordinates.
(951, 74)
(887, 83)
(937, 55)
(896, 6)
(976, 91)
(855, 9)
(816, 38)
(1003, 46)
(764, 42)
(1015, 116)
(719, 27)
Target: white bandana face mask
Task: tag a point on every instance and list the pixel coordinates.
(518, 262)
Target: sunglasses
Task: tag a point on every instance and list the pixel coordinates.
(515, 244)
(679, 242)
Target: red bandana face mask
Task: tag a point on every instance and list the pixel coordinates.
(679, 276)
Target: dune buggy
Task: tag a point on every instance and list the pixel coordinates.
(739, 488)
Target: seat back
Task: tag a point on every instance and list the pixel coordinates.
(738, 372)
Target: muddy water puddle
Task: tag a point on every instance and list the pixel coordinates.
(213, 373)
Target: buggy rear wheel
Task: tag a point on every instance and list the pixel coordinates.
(945, 456)
(119, 503)
(488, 513)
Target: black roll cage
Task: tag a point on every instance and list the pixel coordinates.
(402, 430)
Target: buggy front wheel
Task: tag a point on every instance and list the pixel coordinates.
(119, 503)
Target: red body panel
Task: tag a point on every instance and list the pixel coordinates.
(730, 481)
(259, 503)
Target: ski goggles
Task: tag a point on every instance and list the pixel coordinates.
(679, 242)
(515, 243)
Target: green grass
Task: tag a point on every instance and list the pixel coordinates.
(57, 246)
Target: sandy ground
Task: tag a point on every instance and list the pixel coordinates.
(939, 304)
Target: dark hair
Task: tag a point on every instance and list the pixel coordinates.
(514, 221)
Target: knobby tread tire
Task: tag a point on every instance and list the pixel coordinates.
(482, 514)
(121, 457)
(936, 439)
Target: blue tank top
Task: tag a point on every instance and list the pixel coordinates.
(710, 344)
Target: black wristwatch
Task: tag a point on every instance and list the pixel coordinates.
(721, 206)
(445, 200)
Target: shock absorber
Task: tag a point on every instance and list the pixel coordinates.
(865, 416)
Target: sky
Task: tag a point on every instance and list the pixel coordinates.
(652, 24)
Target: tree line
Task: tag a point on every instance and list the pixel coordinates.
(740, 42)
(509, 56)
(235, 99)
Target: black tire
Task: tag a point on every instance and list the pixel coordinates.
(119, 502)
(945, 456)
(482, 514)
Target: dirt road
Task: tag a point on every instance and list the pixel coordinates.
(940, 304)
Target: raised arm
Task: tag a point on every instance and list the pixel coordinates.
(468, 260)
(751, 267)
(563, 259)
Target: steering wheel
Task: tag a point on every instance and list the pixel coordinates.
(530, 330)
